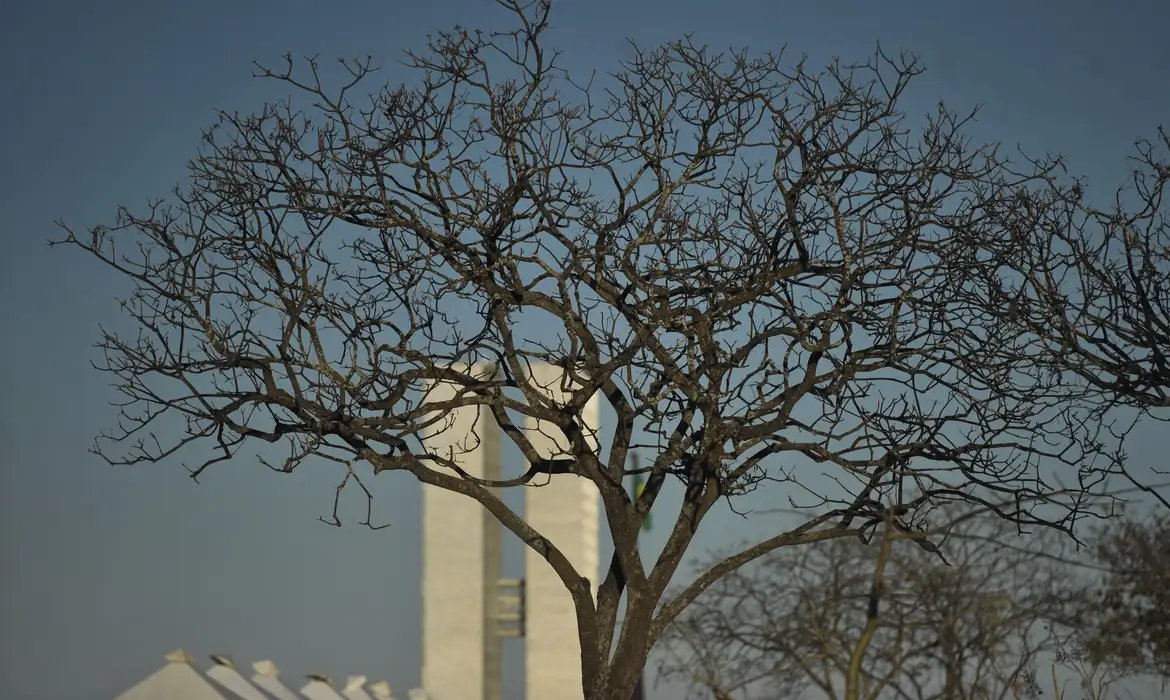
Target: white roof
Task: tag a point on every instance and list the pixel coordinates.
(354, 689)
(178, 680)
(224, 672)
(318, 688)
(267, 678)
(381, 690)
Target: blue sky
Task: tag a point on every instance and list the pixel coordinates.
(104, 570)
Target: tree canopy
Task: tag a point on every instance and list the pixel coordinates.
(771, 274)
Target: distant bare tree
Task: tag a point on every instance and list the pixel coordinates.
(767, 273)
(1126, 622)
(881, 621)
(1094, 678)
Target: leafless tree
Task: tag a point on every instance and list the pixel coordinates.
(1126, 622)
(768, 272)
(1095, 678)
(887, 620)
(1093, 284)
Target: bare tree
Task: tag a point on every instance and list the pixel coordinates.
(881, 621)
(1095, 678)
(1093, 282)
(767, 272)
(1126, 622)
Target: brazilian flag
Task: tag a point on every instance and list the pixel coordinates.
(639, 485)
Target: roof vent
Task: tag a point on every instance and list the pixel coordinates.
(266, 668)
(180, 656)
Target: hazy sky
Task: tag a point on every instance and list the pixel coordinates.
(102, 571)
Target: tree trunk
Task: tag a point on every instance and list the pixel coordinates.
(622, 682)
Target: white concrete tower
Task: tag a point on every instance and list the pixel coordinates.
(565, 510)
(461, 651)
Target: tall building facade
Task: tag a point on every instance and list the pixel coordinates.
(564, 509)
(464, 611)
(461, 649)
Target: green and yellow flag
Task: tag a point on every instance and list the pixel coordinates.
(639, 485)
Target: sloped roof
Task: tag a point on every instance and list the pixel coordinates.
(224, 672)
(355, 689)
(177, 680)
(319, 688)
(381, 690)
(267, 678)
